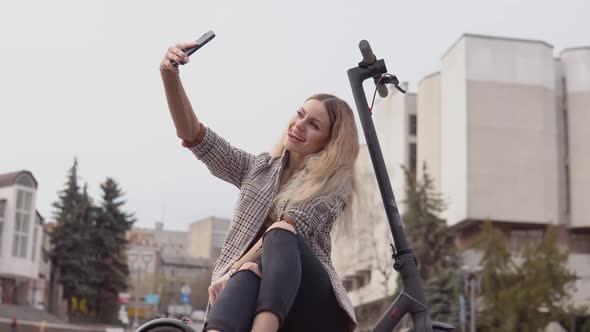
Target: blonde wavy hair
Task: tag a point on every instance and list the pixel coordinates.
(330, 169)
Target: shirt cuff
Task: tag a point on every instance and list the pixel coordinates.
(198, 140)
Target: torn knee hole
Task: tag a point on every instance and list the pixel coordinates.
(254, 267)
(284, 225)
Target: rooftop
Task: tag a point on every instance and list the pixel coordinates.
(510, 39)
(10, 179)
(186, 261)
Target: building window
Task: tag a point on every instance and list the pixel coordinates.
(347, 283)
(21, 228)
(566, 147)
(363, 277)
(360, 279)
(567, 187)
(26, 181)
(34, 244)
(413, 125)
(45, 256)
(519, 239)
(580, 243)
(2, 209)
(412, 157)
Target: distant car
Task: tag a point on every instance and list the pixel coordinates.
(198, 316)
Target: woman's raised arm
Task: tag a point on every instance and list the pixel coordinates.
(183, 116)
(221, 158)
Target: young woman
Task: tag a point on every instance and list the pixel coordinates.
(275, 271)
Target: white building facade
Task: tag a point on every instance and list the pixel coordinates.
(21, 236)
(504, 132)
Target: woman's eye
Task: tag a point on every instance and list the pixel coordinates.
(315, 126)
(300, 114)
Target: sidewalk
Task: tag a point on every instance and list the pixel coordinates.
(29, 326)
(30, 320)
(27, 313)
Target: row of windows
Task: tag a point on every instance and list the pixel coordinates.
(2, 209)
(359, 280)
(519, 239)
(413, 130)
(413, 125)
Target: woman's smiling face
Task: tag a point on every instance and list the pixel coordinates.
(309, 130)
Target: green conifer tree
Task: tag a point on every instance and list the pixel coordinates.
(110, 241)
(432, 243)
(71, 256)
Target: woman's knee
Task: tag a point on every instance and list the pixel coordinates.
(278, 235)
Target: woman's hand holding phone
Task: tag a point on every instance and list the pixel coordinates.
(175, 53)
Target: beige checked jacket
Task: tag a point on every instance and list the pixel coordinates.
(257, 177)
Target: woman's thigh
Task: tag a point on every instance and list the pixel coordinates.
(316, 307)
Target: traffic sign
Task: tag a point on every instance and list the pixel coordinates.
(152, 299)
(124, 298)
(185, 298)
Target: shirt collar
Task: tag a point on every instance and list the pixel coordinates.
(284, 157)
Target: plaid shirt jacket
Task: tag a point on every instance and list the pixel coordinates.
(257, 177)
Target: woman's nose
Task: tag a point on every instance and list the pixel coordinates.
(300, 125)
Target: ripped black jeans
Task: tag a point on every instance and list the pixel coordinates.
(294, 286)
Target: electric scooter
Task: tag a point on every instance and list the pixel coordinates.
(411, 300)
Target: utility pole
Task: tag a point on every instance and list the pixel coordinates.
(471, 279)
(473, 301)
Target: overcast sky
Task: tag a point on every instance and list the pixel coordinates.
(80, 79)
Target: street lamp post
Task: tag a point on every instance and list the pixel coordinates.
(471, 277)
(135, 260)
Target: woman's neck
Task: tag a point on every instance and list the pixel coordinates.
(295, 163)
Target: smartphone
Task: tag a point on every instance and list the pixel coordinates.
(204, 39)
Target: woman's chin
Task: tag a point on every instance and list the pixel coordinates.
(290, 147)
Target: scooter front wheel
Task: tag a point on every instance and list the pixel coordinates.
(438, 327)
(165, 325)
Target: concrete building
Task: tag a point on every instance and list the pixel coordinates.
(206, 237)
(180, 272)
(143, 269)
(166, 242)
(502, 130)
(504, 135)
(21, 236)
(575, 69)
(163, 261)
(143, 257)
(146, 246)
(170, 242)
(498, 136)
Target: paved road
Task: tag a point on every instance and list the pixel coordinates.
(196, 326)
